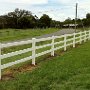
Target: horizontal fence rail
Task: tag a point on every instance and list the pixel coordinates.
(68, 40)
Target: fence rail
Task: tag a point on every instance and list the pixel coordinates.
(75, 38)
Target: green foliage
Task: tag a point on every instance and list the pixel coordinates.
(26, 22)
(88, 15)
(18, 14)
(45, 21)
(56, 24)
(20, 19)
(24, 19)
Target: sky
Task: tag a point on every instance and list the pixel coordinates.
(57, 9)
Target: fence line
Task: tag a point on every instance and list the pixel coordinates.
(75, 38)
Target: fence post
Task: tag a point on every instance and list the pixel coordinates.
(85, 37)
(33, 50)
(80, 37)
(52, 47)
(65, 42)
(0, 61)
(74, 40)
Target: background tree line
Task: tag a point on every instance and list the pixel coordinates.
(22, 19)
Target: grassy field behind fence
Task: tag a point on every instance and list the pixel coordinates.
(17, 34)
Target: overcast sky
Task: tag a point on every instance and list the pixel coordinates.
(56, 9)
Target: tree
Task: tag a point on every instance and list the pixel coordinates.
(27, 22)
(56, 24)
(88, 16)
(68, 21)
(3, 22)
(16, 15)
(44, 21)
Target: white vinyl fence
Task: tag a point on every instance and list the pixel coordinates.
(76, 38)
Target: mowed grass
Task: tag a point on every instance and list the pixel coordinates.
(17, 34)
(68, 71)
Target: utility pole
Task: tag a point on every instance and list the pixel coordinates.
(76, 17)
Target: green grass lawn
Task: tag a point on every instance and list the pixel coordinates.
(17, 34)
(67, 71)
